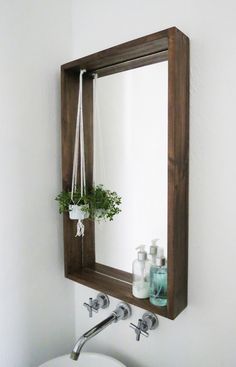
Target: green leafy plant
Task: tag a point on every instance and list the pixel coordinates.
(101, 204)
(64, 200)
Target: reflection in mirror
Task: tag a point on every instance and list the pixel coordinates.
(131, 136)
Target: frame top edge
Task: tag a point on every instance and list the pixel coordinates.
(156, 36)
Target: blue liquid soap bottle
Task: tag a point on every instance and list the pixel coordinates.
(158, 280)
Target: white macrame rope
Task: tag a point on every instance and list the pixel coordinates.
(95, 77)
(80, 229)
(79, 140)
(98, 169)
(82, 154)
(75, 158)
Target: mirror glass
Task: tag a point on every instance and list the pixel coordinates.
(130, 150)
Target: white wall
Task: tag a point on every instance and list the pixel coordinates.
(37, 303)
(205, 333)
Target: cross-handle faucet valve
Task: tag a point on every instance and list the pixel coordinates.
(101, 301)
(149, 321)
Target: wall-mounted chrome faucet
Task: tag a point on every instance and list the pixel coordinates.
(122, 312)
(101, 301)
(149, 321)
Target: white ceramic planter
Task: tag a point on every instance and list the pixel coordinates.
(76, 213)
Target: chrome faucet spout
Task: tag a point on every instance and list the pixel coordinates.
(77, 348)
(122, 312)
(90, 334)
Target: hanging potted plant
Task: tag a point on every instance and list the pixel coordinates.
(98, 204)
(77, 209)
(103, 204)
(95, 204)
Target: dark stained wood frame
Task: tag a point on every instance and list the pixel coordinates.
(80, 265)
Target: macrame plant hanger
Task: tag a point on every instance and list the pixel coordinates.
(98, 165)
(75, 211)
(95, 115)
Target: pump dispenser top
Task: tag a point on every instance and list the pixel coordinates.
(142, 254)
(161, 261)
(153, 250)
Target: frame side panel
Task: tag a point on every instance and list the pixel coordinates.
(69, 106)
(178, 140)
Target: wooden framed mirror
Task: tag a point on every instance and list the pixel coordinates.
(171, 47)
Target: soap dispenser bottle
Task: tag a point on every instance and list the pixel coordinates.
(153, 251)
(141, 274)
(158, 280)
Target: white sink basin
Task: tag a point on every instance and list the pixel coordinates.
(85, 360)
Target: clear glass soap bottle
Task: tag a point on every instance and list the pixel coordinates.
(141, 274)
(158, 280)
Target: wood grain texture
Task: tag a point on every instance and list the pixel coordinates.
(131, 50)
(80, 264)
(132, 64)
(115, 288)
(69, 96)
(122, 275)
(178, 153)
